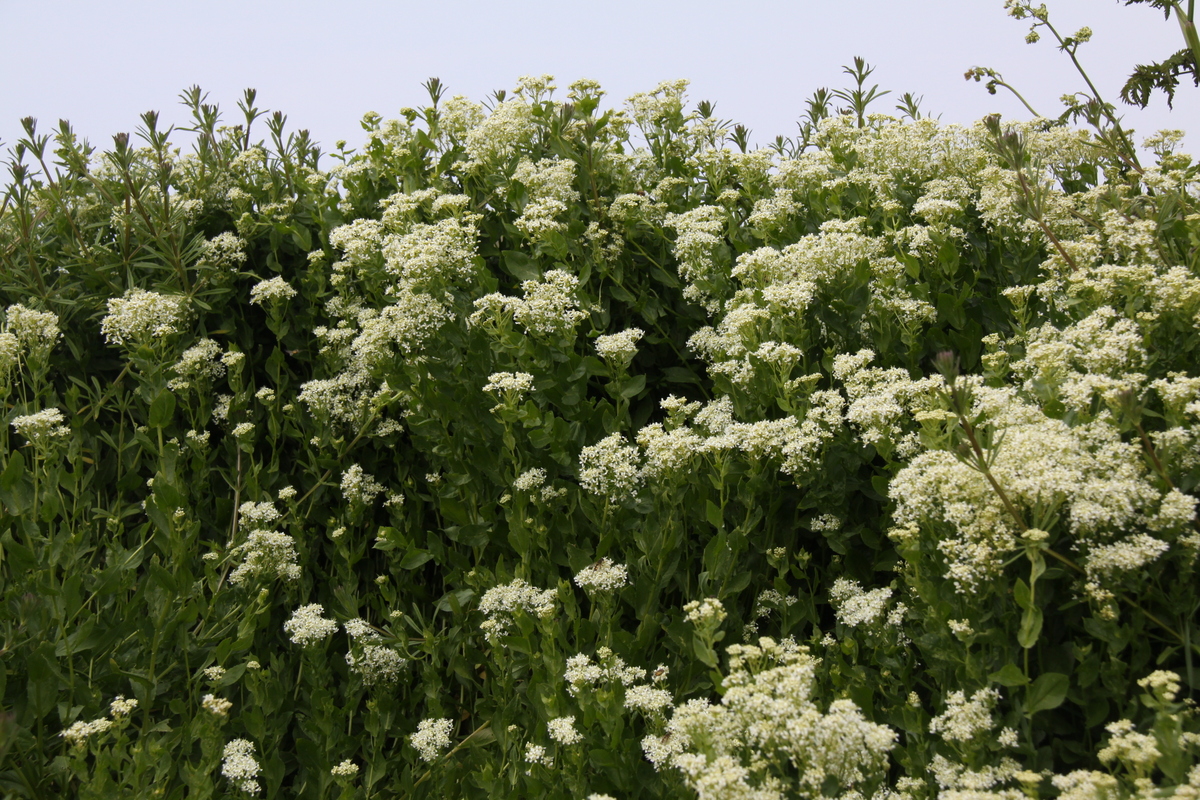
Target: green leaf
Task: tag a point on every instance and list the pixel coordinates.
(415, 559)
(703, 652)
(1037, 566)
(162, 409)
(633, 386)
(1047, 692)
(1009, 675)
(1021, 593)
(713, 513)
(15, 490)
(302, 237)
(1031, 627)
(42, 685)
(681, 375)
(520, 266)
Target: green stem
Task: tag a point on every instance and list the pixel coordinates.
(1188, 27)
(1042, 224)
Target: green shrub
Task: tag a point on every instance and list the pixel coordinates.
(542, 450)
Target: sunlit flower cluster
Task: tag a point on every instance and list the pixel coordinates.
(501, 603)
(307, 627)
(584, 674)
(376, 664)
(432, 737)
(239, 765)
(964, 719)
(768, 713)
(854, 606)
(272, 290)
(43, 428)
(266, 555)
(602, 576)
(359, 487)
(550, 191)
(141, 317)
(610, 468)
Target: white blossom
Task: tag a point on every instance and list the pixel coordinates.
(500, 603)
(307, 627)
(43, 428)
(432, 737)
(562, 730)
(239, 765)
(140, 317)
(273, 290)
(602, 576)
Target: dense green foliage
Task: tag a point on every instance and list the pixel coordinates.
(546, 406)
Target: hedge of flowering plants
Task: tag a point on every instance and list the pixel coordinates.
(539, 448)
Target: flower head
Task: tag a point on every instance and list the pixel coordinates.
(432, 737)
(141, 317)
(307, 627)
(239, 765)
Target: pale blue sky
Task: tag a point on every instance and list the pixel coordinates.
(325, 64)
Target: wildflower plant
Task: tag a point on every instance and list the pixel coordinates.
(860, 465)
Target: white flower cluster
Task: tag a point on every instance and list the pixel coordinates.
(768, 715)
(602, 576)
(359, 487)
(1097, 479)
(432, 256)
(1137, 751)
(360, 241)
(619, 348)
(511, 386)
(257, 516)
(307, 627)
(536, 754)
(502, 135)
(647, 699)
(1126, 555)
(272, 290)
(796, 444)
(43, 428)
(217, 706)
(965, 719)
(584, 674)
(432, 737)
(10, 354)
(562, 730)
(1100, 355)
(201, 361)
(550, 192)
(140, 317)
(239, 765)
(121, 707)
(697, 237)
(79, 732)
(882, 401)
(405, 327)
(530, 480)
(34, 332)
(610, 468)
(706, 612)
(854, 606)
(346, 769)
(376, 664)
(266, 555)
(225, 250)
(501, 603)
(549, 306)
(1163, 683)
